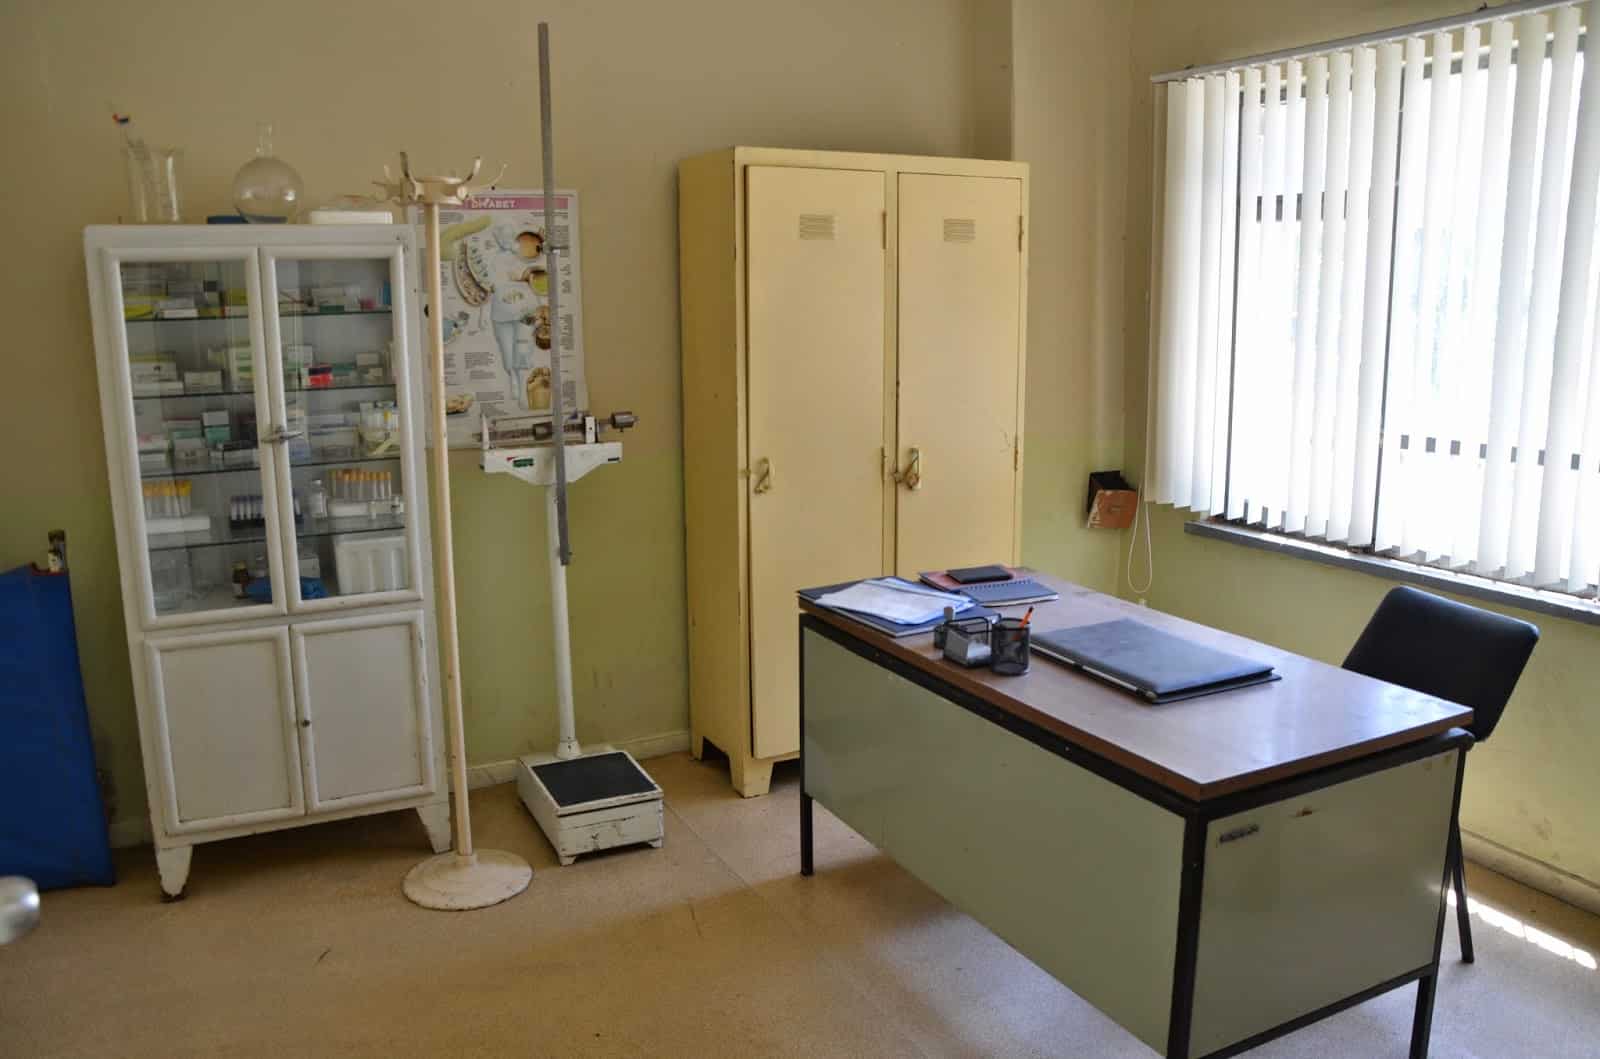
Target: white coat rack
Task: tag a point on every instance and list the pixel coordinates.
(465, 877)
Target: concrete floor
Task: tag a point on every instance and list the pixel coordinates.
(300, 944)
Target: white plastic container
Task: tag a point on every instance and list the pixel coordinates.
(370, 564)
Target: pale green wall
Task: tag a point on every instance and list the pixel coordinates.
(639, 85)
(1069, 121)
(1533, 788)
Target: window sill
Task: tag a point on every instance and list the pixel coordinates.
(1555, 604)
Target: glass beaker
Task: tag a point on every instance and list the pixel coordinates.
(153, 186)
(167, 205)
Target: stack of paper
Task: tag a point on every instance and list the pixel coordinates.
(892, 599)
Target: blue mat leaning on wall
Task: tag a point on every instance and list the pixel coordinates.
(52, 825)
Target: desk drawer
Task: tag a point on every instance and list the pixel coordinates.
(1317, 897)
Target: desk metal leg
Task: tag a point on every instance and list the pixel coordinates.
(805, 834)
(805, 799)
(1422, 1021)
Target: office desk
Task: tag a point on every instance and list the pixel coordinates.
(1211, 874)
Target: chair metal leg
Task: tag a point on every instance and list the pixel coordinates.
(1459, 873)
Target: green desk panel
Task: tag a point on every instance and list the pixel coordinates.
(1076, 873)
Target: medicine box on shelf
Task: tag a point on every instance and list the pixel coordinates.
(202, 382)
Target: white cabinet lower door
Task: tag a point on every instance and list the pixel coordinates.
(364, 709)
(225, 720)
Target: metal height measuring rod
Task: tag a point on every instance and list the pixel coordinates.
(553, 251)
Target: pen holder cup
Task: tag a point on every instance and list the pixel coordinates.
(1008, 646)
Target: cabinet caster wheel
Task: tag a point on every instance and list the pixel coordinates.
(168, 899)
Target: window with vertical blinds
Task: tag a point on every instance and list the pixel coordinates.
(1375, 324)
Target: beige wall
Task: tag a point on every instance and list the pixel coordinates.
(1532, 789)
(638, 86)
(1069, 122)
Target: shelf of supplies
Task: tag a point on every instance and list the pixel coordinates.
(221, 597)
(246, 319)
(252, 393)
(305, 529)
(345, 386)
(296, 465)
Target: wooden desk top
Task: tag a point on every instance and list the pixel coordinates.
(1317, 715)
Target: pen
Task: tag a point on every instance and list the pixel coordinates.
(1028, 616)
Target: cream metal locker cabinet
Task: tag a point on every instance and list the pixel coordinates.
(261, 413)
(852, 377)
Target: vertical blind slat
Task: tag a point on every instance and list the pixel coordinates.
(1205, 363)
(1556, 169)
(1302, 411)
(1216, 465)
(1489, 238)
(1179, 289)
(1248, 366)
(1457, 521)
(1330, 294)
(1423, 422)
(1347, 379)
(1511, 324)
(1395, 478)
(1558, 489)
(1375, 323)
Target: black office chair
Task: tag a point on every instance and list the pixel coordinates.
(1450, 651)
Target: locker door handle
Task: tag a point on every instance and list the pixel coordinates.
(911, 477)
(763, 476)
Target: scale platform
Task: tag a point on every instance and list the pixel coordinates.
(599, 800)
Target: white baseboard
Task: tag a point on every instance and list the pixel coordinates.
(130, 831)
(491, 773)
(1573, 889)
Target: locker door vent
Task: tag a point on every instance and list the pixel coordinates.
(817, 225)
(960, 229)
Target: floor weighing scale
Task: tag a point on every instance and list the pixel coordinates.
(597, 798)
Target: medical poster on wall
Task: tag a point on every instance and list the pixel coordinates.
(498, 336)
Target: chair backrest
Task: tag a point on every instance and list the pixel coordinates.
(1446, 649)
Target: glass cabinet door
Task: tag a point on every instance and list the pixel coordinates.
(336, 329)
(203, 506)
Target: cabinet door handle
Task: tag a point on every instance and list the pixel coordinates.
(278, 435)
(763, 476)
(911, 477)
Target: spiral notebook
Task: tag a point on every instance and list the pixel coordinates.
(1013, 593)
(1016, 591)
